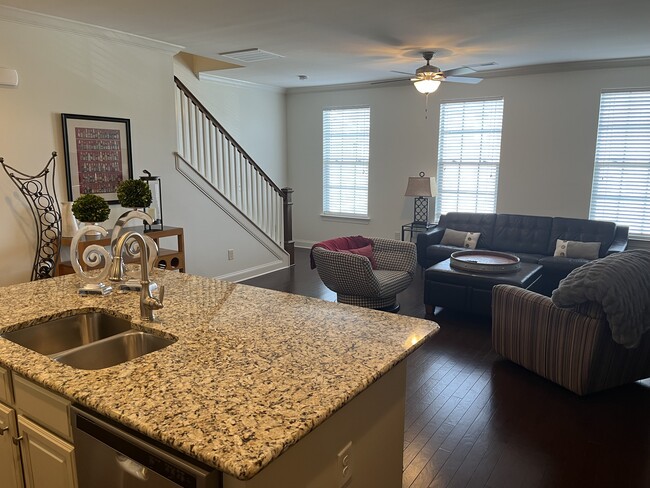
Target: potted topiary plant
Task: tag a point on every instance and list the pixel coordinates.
(134, 194)
(90, 209)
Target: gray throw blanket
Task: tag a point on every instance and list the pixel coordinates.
(620, 283)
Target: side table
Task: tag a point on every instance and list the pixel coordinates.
(414, 229)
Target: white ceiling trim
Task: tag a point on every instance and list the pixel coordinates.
(26, 17)
(222, 80)
(568, 66)
(537, 69)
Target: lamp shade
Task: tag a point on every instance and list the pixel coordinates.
(426, 86)
(422, 186)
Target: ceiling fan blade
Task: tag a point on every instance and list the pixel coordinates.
(463, 70)
(402, 72)
(463, 79)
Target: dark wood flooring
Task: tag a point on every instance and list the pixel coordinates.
(474, 419)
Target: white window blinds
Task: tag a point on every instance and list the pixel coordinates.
(469, 151)
(621, 185)
(346, 147)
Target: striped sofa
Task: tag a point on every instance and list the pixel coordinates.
(355, 282)
(571, 347)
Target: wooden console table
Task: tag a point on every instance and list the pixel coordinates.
(173, 259)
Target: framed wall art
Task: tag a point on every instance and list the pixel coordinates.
(97, 154)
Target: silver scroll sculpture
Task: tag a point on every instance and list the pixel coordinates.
(95, 279)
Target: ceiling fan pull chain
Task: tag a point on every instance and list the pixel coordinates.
(426, 106)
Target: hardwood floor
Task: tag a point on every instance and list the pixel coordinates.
(474, 419)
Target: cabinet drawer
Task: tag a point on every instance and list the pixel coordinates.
(42, 406)
(5, 387)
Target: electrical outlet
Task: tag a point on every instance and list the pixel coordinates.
(397, 236)
(231, 254)
(344, 464)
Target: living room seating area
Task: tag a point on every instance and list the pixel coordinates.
(533, 239)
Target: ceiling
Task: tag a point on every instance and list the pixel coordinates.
(352, 41)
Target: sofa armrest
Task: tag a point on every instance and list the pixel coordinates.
(556, 343)
(426, 239)
(394, 255)
(620, 240)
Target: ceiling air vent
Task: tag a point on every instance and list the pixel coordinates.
(250, 55)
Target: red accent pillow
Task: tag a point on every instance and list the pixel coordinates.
(364, 251)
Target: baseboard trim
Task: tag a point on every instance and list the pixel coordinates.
(254, 272)
(304, 244)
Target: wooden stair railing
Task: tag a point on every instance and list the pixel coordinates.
(215, 155)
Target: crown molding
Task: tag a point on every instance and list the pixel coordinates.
(222, 80)
(536, 69)
(26, 17)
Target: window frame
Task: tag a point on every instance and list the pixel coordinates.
(327, 213)
(442, 164)
(606, 134)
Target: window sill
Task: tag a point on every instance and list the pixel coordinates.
(345, 218)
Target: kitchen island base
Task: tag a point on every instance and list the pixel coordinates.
(373, 421)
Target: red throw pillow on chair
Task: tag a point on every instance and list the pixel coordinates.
(364, 251)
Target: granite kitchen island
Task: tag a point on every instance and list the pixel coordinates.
(256, 383)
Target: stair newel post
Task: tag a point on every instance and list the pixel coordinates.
(286, 215)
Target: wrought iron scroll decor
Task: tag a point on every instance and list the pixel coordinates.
(40, 192)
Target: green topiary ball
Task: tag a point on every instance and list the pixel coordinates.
(134, 194)
(91, 208)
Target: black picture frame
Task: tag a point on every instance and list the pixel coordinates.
(97, 154)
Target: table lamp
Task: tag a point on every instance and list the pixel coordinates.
(422, 188)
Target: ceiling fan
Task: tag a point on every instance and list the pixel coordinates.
(427, 78)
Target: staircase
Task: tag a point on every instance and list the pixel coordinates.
(210, 158)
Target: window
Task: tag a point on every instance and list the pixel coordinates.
(469, 151)
(346, 147)
(621, 185)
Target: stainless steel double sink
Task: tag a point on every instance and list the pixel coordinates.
(90, 340)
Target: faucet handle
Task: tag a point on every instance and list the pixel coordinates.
(161, 293)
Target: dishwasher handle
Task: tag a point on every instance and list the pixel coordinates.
(131, 467)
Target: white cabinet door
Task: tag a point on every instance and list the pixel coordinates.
(48, 460)
(11, 471)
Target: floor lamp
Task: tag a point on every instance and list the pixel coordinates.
(422, 188)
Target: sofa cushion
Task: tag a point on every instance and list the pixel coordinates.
(471, 222)
(577, 249)
(440, 252)
(528, 257)
(522, 234)
(561, 264)
(468, 240)
(582, 230)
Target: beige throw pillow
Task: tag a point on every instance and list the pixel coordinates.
(577, 249)
(459, 238)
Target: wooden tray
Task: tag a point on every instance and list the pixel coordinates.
(484, 262)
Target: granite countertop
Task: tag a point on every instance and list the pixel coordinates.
(252, 370)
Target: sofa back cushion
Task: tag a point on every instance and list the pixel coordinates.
(471, 222)
(522, 233)
(582, 230)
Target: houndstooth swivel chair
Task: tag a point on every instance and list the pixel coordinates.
(355, 282)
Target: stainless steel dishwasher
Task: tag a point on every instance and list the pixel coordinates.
(108, 456)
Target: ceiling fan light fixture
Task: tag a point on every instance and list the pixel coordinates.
(426, 86)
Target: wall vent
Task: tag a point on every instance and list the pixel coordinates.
(250, 55)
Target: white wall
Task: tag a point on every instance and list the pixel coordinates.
(548, 145)
(63, 71)
(71, 73)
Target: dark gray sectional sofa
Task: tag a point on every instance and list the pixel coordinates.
(531, 238)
